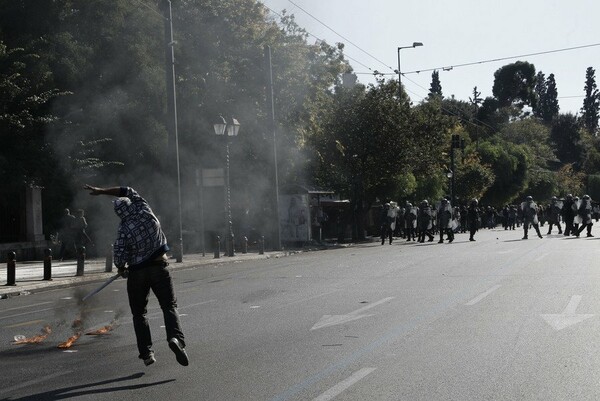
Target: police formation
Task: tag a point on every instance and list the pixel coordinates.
(425, 221)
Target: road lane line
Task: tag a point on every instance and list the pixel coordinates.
(26, 313)
(343, 385)
(29, 323)
(34, 381)
(482, 296)
(26, 306)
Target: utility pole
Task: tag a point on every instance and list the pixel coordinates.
(173, 138)
(273, 129)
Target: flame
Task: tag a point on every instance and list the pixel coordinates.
(101, 331)
(35, 339)
(70, 341)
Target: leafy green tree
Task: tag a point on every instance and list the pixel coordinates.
(535, 139)
(551, 107)
(509, 165)
(473, 179)
(590, 111)
(514, 85)
(26, 154)
(566, 136)
(570, 181)
(547, 97)
(435, 89)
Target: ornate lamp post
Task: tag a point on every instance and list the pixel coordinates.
(227, 130)
(415, 44)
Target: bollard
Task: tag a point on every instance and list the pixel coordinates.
(230, 245)
(80, 260)
(245, 245)
(48, 264)
(11, 272)
(261, 245)
(218, 247)
(109, 260)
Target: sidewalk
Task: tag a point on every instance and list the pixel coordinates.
(30, 275)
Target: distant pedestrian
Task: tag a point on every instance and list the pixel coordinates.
(568, 214)
(473, 218)
(66, 235)
(410, 221)
(444, 216)
(553, 211)
(425, 221)
(585, 213)
(81, 237)
(529, 212)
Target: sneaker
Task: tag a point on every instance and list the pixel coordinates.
(149, 360)
(179, 351)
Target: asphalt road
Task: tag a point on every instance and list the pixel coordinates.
(497, 319)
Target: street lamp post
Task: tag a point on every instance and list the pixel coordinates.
(227, 130)
(415, 44)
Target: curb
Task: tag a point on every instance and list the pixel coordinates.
(30, 286)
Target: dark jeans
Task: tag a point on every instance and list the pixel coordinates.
(157, 278)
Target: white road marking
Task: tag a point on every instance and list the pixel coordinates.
(343, 385)
(568, 317)
(482, 296)
(540, 257)
(34, 381)
(332, 320)
(29, 323)
(26, 306)
(255, 307)
(26, 313)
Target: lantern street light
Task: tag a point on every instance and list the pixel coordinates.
(415, 44)
(227, 129)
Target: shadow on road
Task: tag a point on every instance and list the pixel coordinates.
(84, 389)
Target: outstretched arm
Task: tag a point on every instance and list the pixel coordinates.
(113, 191)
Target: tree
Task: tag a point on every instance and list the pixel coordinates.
(27, 91)
(473, 178)
(514, 85)
(509, 165)
(535, 139)
(591, 103)
(567, 139)
(435, 89)
(569, 181)
(551, 108)
(546, 107)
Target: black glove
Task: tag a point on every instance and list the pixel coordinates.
(124, 272)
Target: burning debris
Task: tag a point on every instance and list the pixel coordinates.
(18, 340)
(71, 340)
(102, 331)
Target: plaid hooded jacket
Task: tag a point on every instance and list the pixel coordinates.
(140, 238)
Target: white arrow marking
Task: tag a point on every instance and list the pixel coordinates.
(332, 320)
(568, 317)
(340, 387)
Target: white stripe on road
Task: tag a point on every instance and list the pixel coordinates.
(26, 313)
(540, 257)
(32, 382)
(482, 296)
(26, 306)
(341, 386)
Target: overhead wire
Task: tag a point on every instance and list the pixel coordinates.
(373, 72)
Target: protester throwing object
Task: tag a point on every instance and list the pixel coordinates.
(140, 255)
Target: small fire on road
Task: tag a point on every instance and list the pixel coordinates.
(70, 341)
(35, 339)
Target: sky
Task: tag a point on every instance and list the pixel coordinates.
(455, 32)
